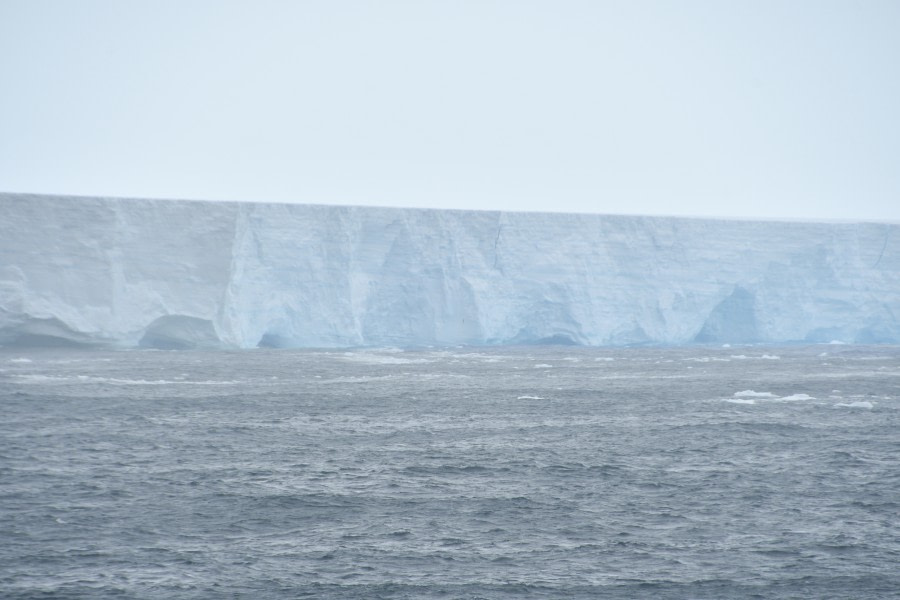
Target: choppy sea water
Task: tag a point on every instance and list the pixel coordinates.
(549, 472)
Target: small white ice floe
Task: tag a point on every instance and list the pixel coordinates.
(856, 404)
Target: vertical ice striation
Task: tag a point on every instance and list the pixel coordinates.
(203, 274)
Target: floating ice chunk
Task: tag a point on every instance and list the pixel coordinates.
(753, 394)
(856, 404)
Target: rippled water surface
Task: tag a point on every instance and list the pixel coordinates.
(550, 472)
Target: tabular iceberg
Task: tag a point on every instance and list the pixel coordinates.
(187, 274)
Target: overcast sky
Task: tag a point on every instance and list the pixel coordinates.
(713, 108)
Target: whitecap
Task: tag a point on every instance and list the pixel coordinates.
(20, 360)
(857, 404)
(375, 359)
(115, 380)
(543, 366)
(753, 394)
(41, 379)
(530, 398)
(356, 379)
(741, 400)
(796, 397)
(480, 356)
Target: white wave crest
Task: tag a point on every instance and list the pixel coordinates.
(378, 359)
(796, 398)
(114, 380)
(753, 394)
(856, 404)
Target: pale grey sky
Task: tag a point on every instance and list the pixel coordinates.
(762, 108)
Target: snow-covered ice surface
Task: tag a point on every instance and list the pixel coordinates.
(174, 274)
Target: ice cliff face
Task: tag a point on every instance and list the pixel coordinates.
(203, 274)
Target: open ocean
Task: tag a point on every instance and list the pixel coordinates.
(524, 472)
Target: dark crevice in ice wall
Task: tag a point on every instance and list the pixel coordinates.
(733, 320)
(180, 332)
(887, 236)
(45, 333)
